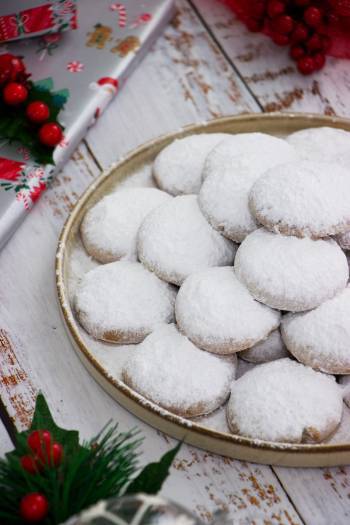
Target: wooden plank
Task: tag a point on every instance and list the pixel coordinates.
(321, 496)
(184, 79)
(268, 71)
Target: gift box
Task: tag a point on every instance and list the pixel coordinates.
(87, 68)
(20, 19)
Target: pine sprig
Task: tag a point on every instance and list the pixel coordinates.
(103, 467)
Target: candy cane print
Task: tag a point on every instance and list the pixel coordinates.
(122, 13)
(141, 19)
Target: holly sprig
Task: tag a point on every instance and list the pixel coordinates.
(87, 472)
(15, 125)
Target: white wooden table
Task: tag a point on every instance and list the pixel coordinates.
(205, 65)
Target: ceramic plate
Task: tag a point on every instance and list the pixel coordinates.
(104, 361)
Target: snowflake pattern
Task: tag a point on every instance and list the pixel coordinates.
(75, 66)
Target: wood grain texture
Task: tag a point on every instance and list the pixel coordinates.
(270, 74)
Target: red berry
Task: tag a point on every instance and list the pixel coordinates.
(50, 134)
(319, 60)
(283, 24)
(313, 16)
(280, 40)
(14, 93)
(306, 65)
(314, 43)
(275, 8)
(300, 33)
(38, 111)
(341, 7)
(56, 454)
(257, 9)
(29, 464)
(11, 68)
(34, 507)
(297, 52)
(253, 24)
(18, 69)
(333, 19)
(302, 3)
(38, 440)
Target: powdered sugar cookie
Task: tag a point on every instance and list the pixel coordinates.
(173, 373)
(122, 302)
(269, 349)
(109, 228)
(175, 240)
(344, 240)
(303, 198)
(320, 144)
(218, 314)
(178, 167)
(344, 381)
(321, 338)
(230, 170)
(285, 401)
(289, 273)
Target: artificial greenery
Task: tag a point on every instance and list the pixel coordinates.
(98, 469)
(15, 126)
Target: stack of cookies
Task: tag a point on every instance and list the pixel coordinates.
(237, 252)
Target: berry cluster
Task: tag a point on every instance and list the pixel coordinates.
(299, 24)
(15, 90)
(44, 453)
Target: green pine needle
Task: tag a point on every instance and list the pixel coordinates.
(98, 469)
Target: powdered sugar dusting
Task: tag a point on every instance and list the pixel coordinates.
(285, 401)
(79, 264)
(123, 299)
(321, 338)
(175, 240)
(345, 382)
(320, 144)
(110, 227)
(215, 420)
(305, 198)
(178, 167)
(289, 273)
(344, 240)
(142, 178)
(219, 314)
(170, 371)
(112, 357)
(229, 173)
(269, 349)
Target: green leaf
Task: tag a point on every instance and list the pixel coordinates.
(43, 420)
(152, 477)
(60, 97)
(45, 83)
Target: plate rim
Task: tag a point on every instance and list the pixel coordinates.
(82, 348)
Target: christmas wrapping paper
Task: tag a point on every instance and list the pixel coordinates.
(88, 67)
(20, 19)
